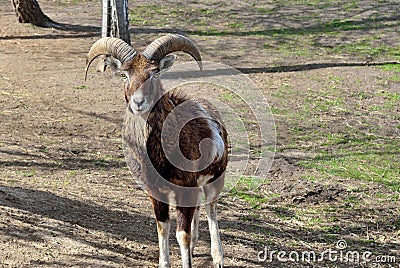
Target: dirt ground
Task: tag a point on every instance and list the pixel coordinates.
(67, 198)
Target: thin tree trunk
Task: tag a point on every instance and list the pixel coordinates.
(115, 24)
(115, 19)
(120, 21)
(28, 11)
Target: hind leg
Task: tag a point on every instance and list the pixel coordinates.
(183, 233)
(211, 192)
(216, 246)
(195, 228)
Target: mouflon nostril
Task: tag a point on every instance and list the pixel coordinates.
(139, 102)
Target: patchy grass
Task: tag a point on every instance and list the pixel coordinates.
(391, 67)
(379, 166)
(368, 152)
(307, 32)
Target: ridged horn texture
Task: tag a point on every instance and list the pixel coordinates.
(170, 43)
(110, 46)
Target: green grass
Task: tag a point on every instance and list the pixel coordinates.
(363, 148)
(265, 10)
(246, 188)
(368, 48)
(296, 40)
(353, 154)
(80, 87)
(391, 99)
(160, 15)
(236, 25)
(395, 69)
(391, 67)
(27, 173)
(254, 200)
(395, 78)
(370, 161)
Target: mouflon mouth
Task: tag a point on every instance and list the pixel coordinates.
(135, 109)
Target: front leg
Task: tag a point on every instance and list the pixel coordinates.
(161, 211)
(163, 243)
(183, 233)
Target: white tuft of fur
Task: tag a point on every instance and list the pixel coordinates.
(218, 148)
(203, 180)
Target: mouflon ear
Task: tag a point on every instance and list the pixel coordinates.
(167, 62)
(114, 64)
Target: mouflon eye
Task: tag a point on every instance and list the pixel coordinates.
(156, 75)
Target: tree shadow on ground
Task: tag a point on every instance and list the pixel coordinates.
(67, 31)
(73, 212)
(77, 220)
(354, 235)
(186, 74)
(310, 66)
(348, 25)
(75, 215)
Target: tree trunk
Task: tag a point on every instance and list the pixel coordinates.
(28, 11)
(115, 19)
(115, 24)
(119, 20)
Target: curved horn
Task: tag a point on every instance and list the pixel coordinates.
(110, 46)
(169, 43)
